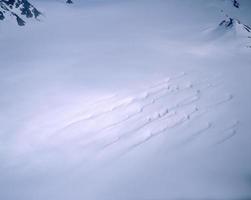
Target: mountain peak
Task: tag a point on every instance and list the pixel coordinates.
(231, 29)
(20, 9)
(231, 23)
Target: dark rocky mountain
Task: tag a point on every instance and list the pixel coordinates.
(20, 9)
(234, 23)
(231, 28)
(230, 22)
(69, 1)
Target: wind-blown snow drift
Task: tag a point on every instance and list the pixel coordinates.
(126, 100)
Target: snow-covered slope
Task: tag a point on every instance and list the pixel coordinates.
(107, 100)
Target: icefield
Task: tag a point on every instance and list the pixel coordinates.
(125, 100)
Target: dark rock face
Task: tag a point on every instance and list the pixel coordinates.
(236, 3)
(1, 15)
(20, 21)
(23, 9)
(69, 1)
(228, 22)
(247, 28)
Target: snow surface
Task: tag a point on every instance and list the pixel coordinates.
(107, 100)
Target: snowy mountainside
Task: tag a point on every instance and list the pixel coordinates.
(107, 100)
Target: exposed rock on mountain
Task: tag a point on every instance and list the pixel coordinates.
(231, 23)
(69, 1)
(236, 3)
(231, 29)
(20, 9)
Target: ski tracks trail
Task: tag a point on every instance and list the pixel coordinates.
(119, 124)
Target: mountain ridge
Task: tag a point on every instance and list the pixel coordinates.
(21, 10)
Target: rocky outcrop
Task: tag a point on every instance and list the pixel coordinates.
(21, 10)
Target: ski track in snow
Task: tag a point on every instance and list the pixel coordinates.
(116, 125)
(152, 95)
(161, 131)
(229, 132)
(197, 134)
(138, 117)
